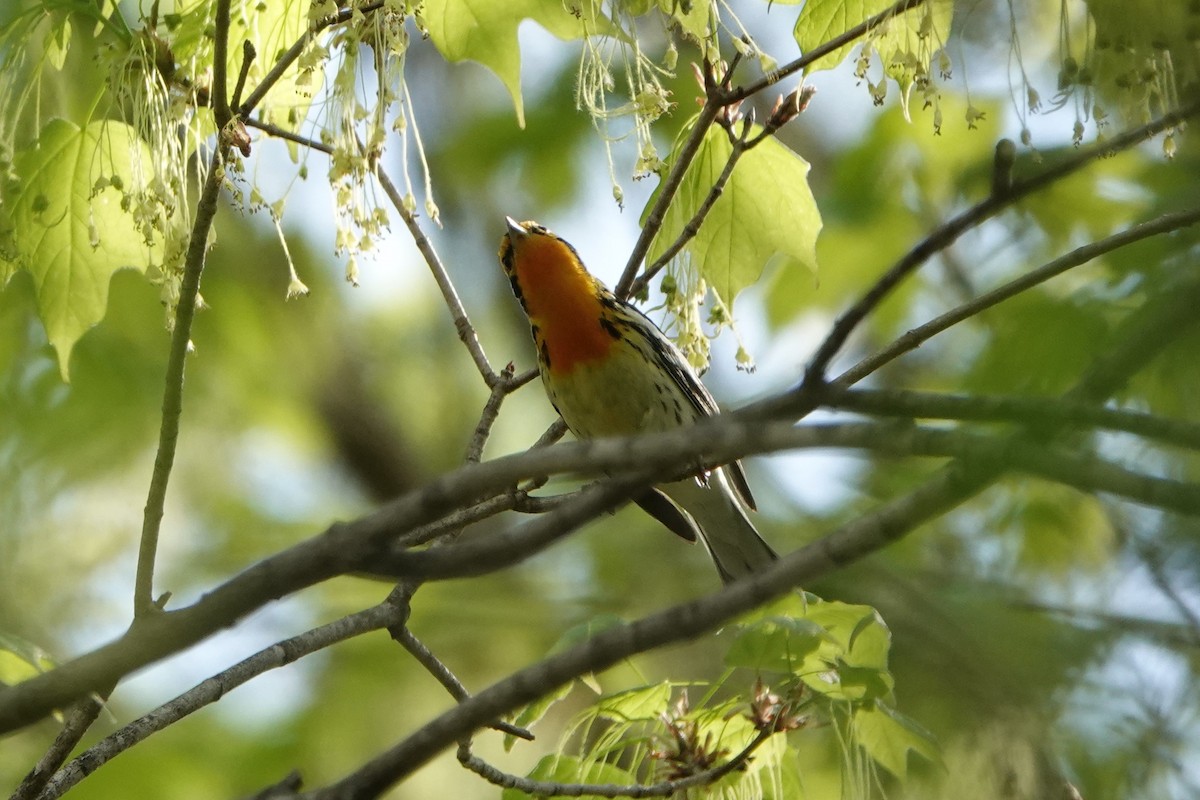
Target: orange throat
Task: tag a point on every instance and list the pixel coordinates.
(563, 305)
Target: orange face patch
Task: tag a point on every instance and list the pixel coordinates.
(562, 302)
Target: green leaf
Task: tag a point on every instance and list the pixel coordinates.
(486, 31)
(70, 235)
(272, 28)
(58, 43)
(776, 644)
(766, 211)
(532, 713)
(570, 769)
(642, 703)
(837, 649)
(888, 736)
(694, 19)
(903, 43)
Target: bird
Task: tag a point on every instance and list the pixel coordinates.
(610, 371)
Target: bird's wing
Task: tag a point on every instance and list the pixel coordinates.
(697, 393)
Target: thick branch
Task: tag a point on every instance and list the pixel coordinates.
(362, 545)
(1042, 412)
(869, 533)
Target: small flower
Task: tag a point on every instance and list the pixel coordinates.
(973, 116)
(878, 91)
(296, 288)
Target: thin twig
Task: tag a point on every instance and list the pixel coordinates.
(283, 133)
(79, 719)
(458, 313)
(740, 143)
(972, 217)
(667, 190)
(248, 55)
(491, 409)
(457, 520)
(739, 147)
(554, 789)
(292, 53)
(172, 406)
(817, 53)
(1081, 255)
(449, 681)
(213, 689)
(462, 323)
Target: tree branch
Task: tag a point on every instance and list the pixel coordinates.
(1077, 257)
(949, 487)
(362, 545)
(213, 689)
(817, 53)
(972, 217)
(1042, 412)
(172, 406)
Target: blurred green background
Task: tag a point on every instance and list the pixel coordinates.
(1035, 630)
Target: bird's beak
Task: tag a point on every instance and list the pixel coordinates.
(515, 229)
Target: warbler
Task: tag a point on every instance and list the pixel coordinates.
(609, 371)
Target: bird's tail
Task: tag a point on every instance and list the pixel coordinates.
(732, 540)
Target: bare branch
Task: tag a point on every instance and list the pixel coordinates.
(462, 323)
(172, 406)
(491, 409)
(1079, 256)
(213, 689)
(947, 233)
(362, 545)
(1034, 411)
(449, 681)
(79, 719)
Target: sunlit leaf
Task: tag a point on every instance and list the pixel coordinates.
(72, 236)
(58, 43)
(486, 32)
(645, 702)
(778, 644)
(910, 38)
(766, 211)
